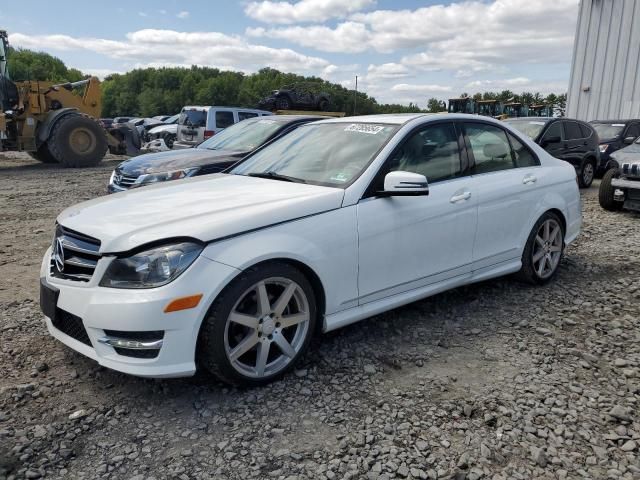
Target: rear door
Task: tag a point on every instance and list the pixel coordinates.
(576, 143)
(191, 125)
(505, 177)
(552, 140)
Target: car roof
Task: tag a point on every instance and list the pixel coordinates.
(293, 118)
(616, 121)
(533, 119)
(206, 108)
(402, 118)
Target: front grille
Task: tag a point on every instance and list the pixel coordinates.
(74, 256)
(71, 325)
(123, 180)
(631, 169)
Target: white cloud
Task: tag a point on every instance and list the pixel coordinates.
(170, 47)
(98, 72)
(304, 10)
(162, 12)
(143, 14)
(420, 89)
(183, 14)
(387, 71)
(502, 83)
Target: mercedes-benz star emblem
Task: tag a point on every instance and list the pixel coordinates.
(58, 254)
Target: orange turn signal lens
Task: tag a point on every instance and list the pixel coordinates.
(183, 303)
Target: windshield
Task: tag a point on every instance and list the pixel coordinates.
(171, 120)
(332, 154)
(608, 130)
(530, 128)
(244, 136)
(193, 118)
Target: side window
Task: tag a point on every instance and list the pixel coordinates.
(586, 131)
(432, 151)
(224, 119)
(490, 148)
(245, 115)
(572, 129)
(554, 130)
(522, 155)
(633, 130)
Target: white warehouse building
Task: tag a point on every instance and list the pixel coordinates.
(605, 72)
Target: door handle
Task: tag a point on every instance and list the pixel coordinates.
(529, 179)
(460, 197)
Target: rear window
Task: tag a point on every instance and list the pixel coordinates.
(531, 128)
(572, 129)
(586, 131)
(224, 119)
(193, 118)
(245, 115)
(607, 131)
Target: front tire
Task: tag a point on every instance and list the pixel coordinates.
(78, 141)
(43, 155)
(259, 325)
(587, 173)
(543, 251)
(605, 193)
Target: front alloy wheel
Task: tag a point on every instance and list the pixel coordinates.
(587, 174)
(259, 326)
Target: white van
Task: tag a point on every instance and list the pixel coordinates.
(197, 123)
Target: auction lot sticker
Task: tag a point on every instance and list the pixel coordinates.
(364, 128)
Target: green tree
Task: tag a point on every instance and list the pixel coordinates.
(434, 105)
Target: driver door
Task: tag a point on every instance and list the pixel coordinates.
(408, 242)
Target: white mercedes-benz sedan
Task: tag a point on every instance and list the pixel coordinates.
(340, 220)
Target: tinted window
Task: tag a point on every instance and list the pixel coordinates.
(607, 131)
(432, 152)
(554, 130)
(245, 115)
(522, 155)
(224, 119)
(633, 131)
(572, 130)
(490, 148)
(193, 118)
(586, 131)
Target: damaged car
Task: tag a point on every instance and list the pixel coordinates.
(620, 186)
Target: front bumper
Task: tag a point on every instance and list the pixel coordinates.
(100, 309)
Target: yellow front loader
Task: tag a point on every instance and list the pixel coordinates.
(54, 123)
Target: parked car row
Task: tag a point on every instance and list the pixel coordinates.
(315, 224)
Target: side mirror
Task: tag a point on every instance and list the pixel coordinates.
(404, 184)
(629, 140)
(549, 140)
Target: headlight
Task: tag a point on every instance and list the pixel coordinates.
(165, 176)
(152, 268)
(604, 147)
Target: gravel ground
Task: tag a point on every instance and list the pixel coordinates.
(498, 380)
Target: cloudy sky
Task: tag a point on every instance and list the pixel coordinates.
(402, 50)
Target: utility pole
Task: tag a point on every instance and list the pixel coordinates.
(355, 96)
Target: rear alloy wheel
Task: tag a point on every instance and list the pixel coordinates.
(544, 249)
(259, 326)
(606, 192)
(587, 173)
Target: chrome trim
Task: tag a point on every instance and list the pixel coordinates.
(130, 344)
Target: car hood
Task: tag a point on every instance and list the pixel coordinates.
(205, 208)
(177, 160)
(630, 153)
(172, 128)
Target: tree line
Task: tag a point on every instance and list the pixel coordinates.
(148, 92)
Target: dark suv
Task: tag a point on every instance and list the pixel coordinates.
(571, 140)
(296, 97)
(614, 135)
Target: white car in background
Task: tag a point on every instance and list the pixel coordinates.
(340, 220)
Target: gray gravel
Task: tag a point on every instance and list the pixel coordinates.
(498, 380)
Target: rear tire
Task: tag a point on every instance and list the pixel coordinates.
(259, 326)
(78, 141)
(543, 251)
(43, 155)
(605, 194)
(587, 173)
(323, 105)
(283, 103)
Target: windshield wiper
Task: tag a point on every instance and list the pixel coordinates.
(276, 176)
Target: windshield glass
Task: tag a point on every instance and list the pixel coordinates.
(530, 128)
(244, 136)
(172, 119)
(332, 154)
(608, 130)
(193, 118)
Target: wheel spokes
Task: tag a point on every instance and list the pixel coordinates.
(284, 299)
(538, 256)
(284, 345)
(244, 346)
(264, 306)
(291, 320)
(539, 241)
(547, 228)
(243, 319)
(262, 357)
